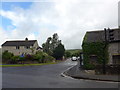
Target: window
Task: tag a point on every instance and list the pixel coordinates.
(93, 59)
(17, 47)
(116, 59)
(27, 47)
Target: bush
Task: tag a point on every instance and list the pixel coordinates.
(37, 57)
(67, 54)
(89, 66)
(14, 59)
(22, 58)
(47, 58)
(51, 58)
(42, 57)
(6, 56)
(29, 57)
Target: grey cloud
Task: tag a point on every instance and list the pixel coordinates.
(72, 18)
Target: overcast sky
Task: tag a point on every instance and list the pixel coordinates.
(69, 18)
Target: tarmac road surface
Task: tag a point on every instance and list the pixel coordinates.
(47, 76)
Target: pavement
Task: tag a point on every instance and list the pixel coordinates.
(79, 73)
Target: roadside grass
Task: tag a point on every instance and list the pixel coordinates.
(19, 65)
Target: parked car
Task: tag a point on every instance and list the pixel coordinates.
(74, 58)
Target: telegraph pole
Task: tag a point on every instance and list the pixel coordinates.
(104, 61)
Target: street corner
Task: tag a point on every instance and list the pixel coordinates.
(77, 73)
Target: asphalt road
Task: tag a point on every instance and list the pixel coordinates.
(47, 76)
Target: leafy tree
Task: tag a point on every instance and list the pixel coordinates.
(67, 54)
(59, 51)
(46, 46)
(76, 54)
(51, 43)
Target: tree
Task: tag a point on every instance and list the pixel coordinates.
(59, 51)
(51, 43)
(67, 54)
(54, 41)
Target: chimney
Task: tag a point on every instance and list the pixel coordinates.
(26, 39)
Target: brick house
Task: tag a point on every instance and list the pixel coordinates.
(113, 46)
(19, 47)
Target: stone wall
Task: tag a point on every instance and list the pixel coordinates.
(113, 49)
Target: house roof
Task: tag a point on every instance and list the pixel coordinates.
(19, 43)
(97, 36)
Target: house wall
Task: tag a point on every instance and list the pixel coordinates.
(21, 50)
(113, 49)
(35, 46)
(15, 51)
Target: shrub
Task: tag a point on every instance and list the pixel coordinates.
(22, 58)
(42, 57)
(14, 59)
(89, 66)
(37, 57)
(6, 56)
(51, 58)
(67, 54)
(29, 57)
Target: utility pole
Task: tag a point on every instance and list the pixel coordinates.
(104, 61)
(110, 39)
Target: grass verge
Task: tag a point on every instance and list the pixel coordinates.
(19, 65)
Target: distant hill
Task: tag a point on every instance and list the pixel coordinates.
(74, 50)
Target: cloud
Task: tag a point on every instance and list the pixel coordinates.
(69, 18)
(3, 36)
